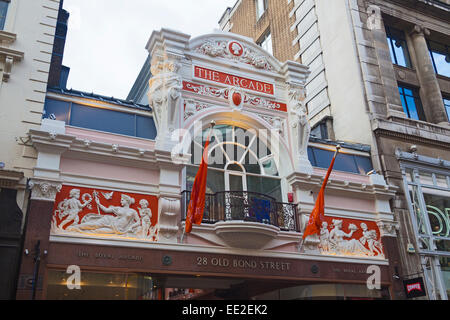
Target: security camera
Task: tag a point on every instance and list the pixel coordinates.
(396, 277)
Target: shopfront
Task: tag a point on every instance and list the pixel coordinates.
(427, 181)
(109, 199)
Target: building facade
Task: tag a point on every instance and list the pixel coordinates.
(380, 77)
(112, 182)
(27, 31)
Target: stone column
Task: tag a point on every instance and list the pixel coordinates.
(43, 193)
(387, 78)
(429, 86)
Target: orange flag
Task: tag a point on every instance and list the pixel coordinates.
(317, 214)
(197, 202)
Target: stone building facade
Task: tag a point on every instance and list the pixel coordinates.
(27, 31)
(380, 76)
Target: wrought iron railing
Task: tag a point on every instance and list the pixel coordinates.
(246, 206)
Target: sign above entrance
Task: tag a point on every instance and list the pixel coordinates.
(233, 80)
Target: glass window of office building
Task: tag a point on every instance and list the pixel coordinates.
(429, 203)
(440, 55)
(398, 47)
(3, 11)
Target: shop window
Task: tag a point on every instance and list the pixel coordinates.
(398, 47)
(261, 7)
(3, 11)
(440, 55)
(447, 107)
(321, 158)
(412, 105)
(112, 121)
(266, 42)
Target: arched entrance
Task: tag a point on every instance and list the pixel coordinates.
(243, 181)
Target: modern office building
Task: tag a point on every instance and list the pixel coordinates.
(27, 32)
(380, 76)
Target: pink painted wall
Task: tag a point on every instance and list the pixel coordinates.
(109, 171)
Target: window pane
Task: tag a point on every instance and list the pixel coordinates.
(398, 47)
(410, 101)
(145, 127)
(260, 7)
(323, 157)
(364, 164)
(345, 162)
(3, 11)
(56, 110)
(102, 120)
(447, 107)
(401, 52)
(441, 64)
(264, 185)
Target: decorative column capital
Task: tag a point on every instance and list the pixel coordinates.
(419, 30)
(388, 228)
(44, 190)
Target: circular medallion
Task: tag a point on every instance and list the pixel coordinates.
(237, 98)
(235, 48)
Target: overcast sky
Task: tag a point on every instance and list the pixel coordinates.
(105, 47)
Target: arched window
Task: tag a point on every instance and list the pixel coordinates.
(238, 160)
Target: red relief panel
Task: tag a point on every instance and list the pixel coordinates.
(342, 236)
(232, 80)
(105, 212)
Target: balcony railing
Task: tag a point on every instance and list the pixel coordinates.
(246, 206)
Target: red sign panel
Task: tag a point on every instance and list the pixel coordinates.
(232, 80)
(223, 93)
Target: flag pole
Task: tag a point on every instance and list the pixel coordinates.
(325, 181)
(212, 124)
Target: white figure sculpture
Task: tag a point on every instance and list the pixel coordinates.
(370, 236)
(346, 247)
(324, 237)
(71, 207)
(124, 222)
(146, 215)
(300, 122)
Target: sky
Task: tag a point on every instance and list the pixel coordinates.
(105, 45)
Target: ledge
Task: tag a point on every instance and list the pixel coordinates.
(7, 37)
(246, 235)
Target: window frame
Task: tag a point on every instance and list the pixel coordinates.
(78, 104)
(417, 100)
(3, 19)
(263, 39)
(393, 34)
(430, 49)
(259, 12)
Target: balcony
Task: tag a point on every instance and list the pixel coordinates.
(245, 219)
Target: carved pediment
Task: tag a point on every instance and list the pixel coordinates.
(237, 51)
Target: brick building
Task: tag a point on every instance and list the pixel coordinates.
(380, 76)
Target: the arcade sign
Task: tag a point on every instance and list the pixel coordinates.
(414, 288)
(233, 80)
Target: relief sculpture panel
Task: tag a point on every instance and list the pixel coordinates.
(96, 212)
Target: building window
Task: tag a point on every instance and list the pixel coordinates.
(412, 105)
(320, 131)
(440, 55)
(261, 7)
(398, 47)
(266, 42)
(106, 120)
(447, 107)
(345, 162)
(3, 10)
